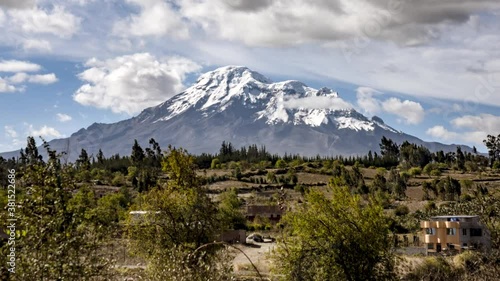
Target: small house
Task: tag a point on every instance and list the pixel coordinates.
(455, 234)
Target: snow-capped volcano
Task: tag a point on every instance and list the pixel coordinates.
(238, 105)
(238, 88)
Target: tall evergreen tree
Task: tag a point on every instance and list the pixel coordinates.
(137, 154)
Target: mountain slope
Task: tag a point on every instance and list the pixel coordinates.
(242, 106)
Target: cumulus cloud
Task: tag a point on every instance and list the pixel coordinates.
(472, 128)
(57, 21)
(18, 66)
(44, 131)
(441, 132)
(484, 122)
(5, 87)
(365, 100)
(11, 83)
(281, 22)
(22, 77)
(317, 102)
(63, 117)
(411, 112)
(43, 78)
(133, 82)
(156, 18)
(10, 132)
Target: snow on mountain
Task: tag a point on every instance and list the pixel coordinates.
(236, 87)
(236, 104)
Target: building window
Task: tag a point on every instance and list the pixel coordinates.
(430, 246)
(464, 231)
(430, 231)
(451, 231)
(476, 232)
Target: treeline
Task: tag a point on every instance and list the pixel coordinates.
(143, 166)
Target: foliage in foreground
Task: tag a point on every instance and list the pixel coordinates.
(337, 238)
(56, 238)
(179, 217)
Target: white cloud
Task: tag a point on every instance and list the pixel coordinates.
(473, 128)
(488, 123)
(441, 132)
(63, 117)
(317, 102)
(133, 82)
(22, 77)
(57, 22)
(37, 45)
(10, 132)
(6, 87)
(365, 100)
(18, 78)
(43, 78)
(412, 112)
(156, 18)
(44, 131)
(18, 66)
(14, 82)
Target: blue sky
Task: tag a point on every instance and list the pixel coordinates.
(429, 69)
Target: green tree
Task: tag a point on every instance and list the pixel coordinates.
(397, 183)
(337, 238)
(83, 161)
(389, 150)
(31, 152)
(56, 239)
(178, 218)
(137, 154)
(229, 210)
(100, 157)
(493, 145)
(379, 183)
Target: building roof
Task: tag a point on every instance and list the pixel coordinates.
(454, 216)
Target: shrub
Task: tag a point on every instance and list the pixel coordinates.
(417, 171)
(435, 173)
(280, 164)
(401, 210)
(429, 206)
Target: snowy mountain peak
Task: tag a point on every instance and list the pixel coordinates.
(232, 75)
(243, 93)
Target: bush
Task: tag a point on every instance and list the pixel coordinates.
(215, 164)
(417, 171)
(436, 267)
(118, 179)
(280, 164)
(401, 210)
(496, 165)
(429, 206)
(435, 173)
